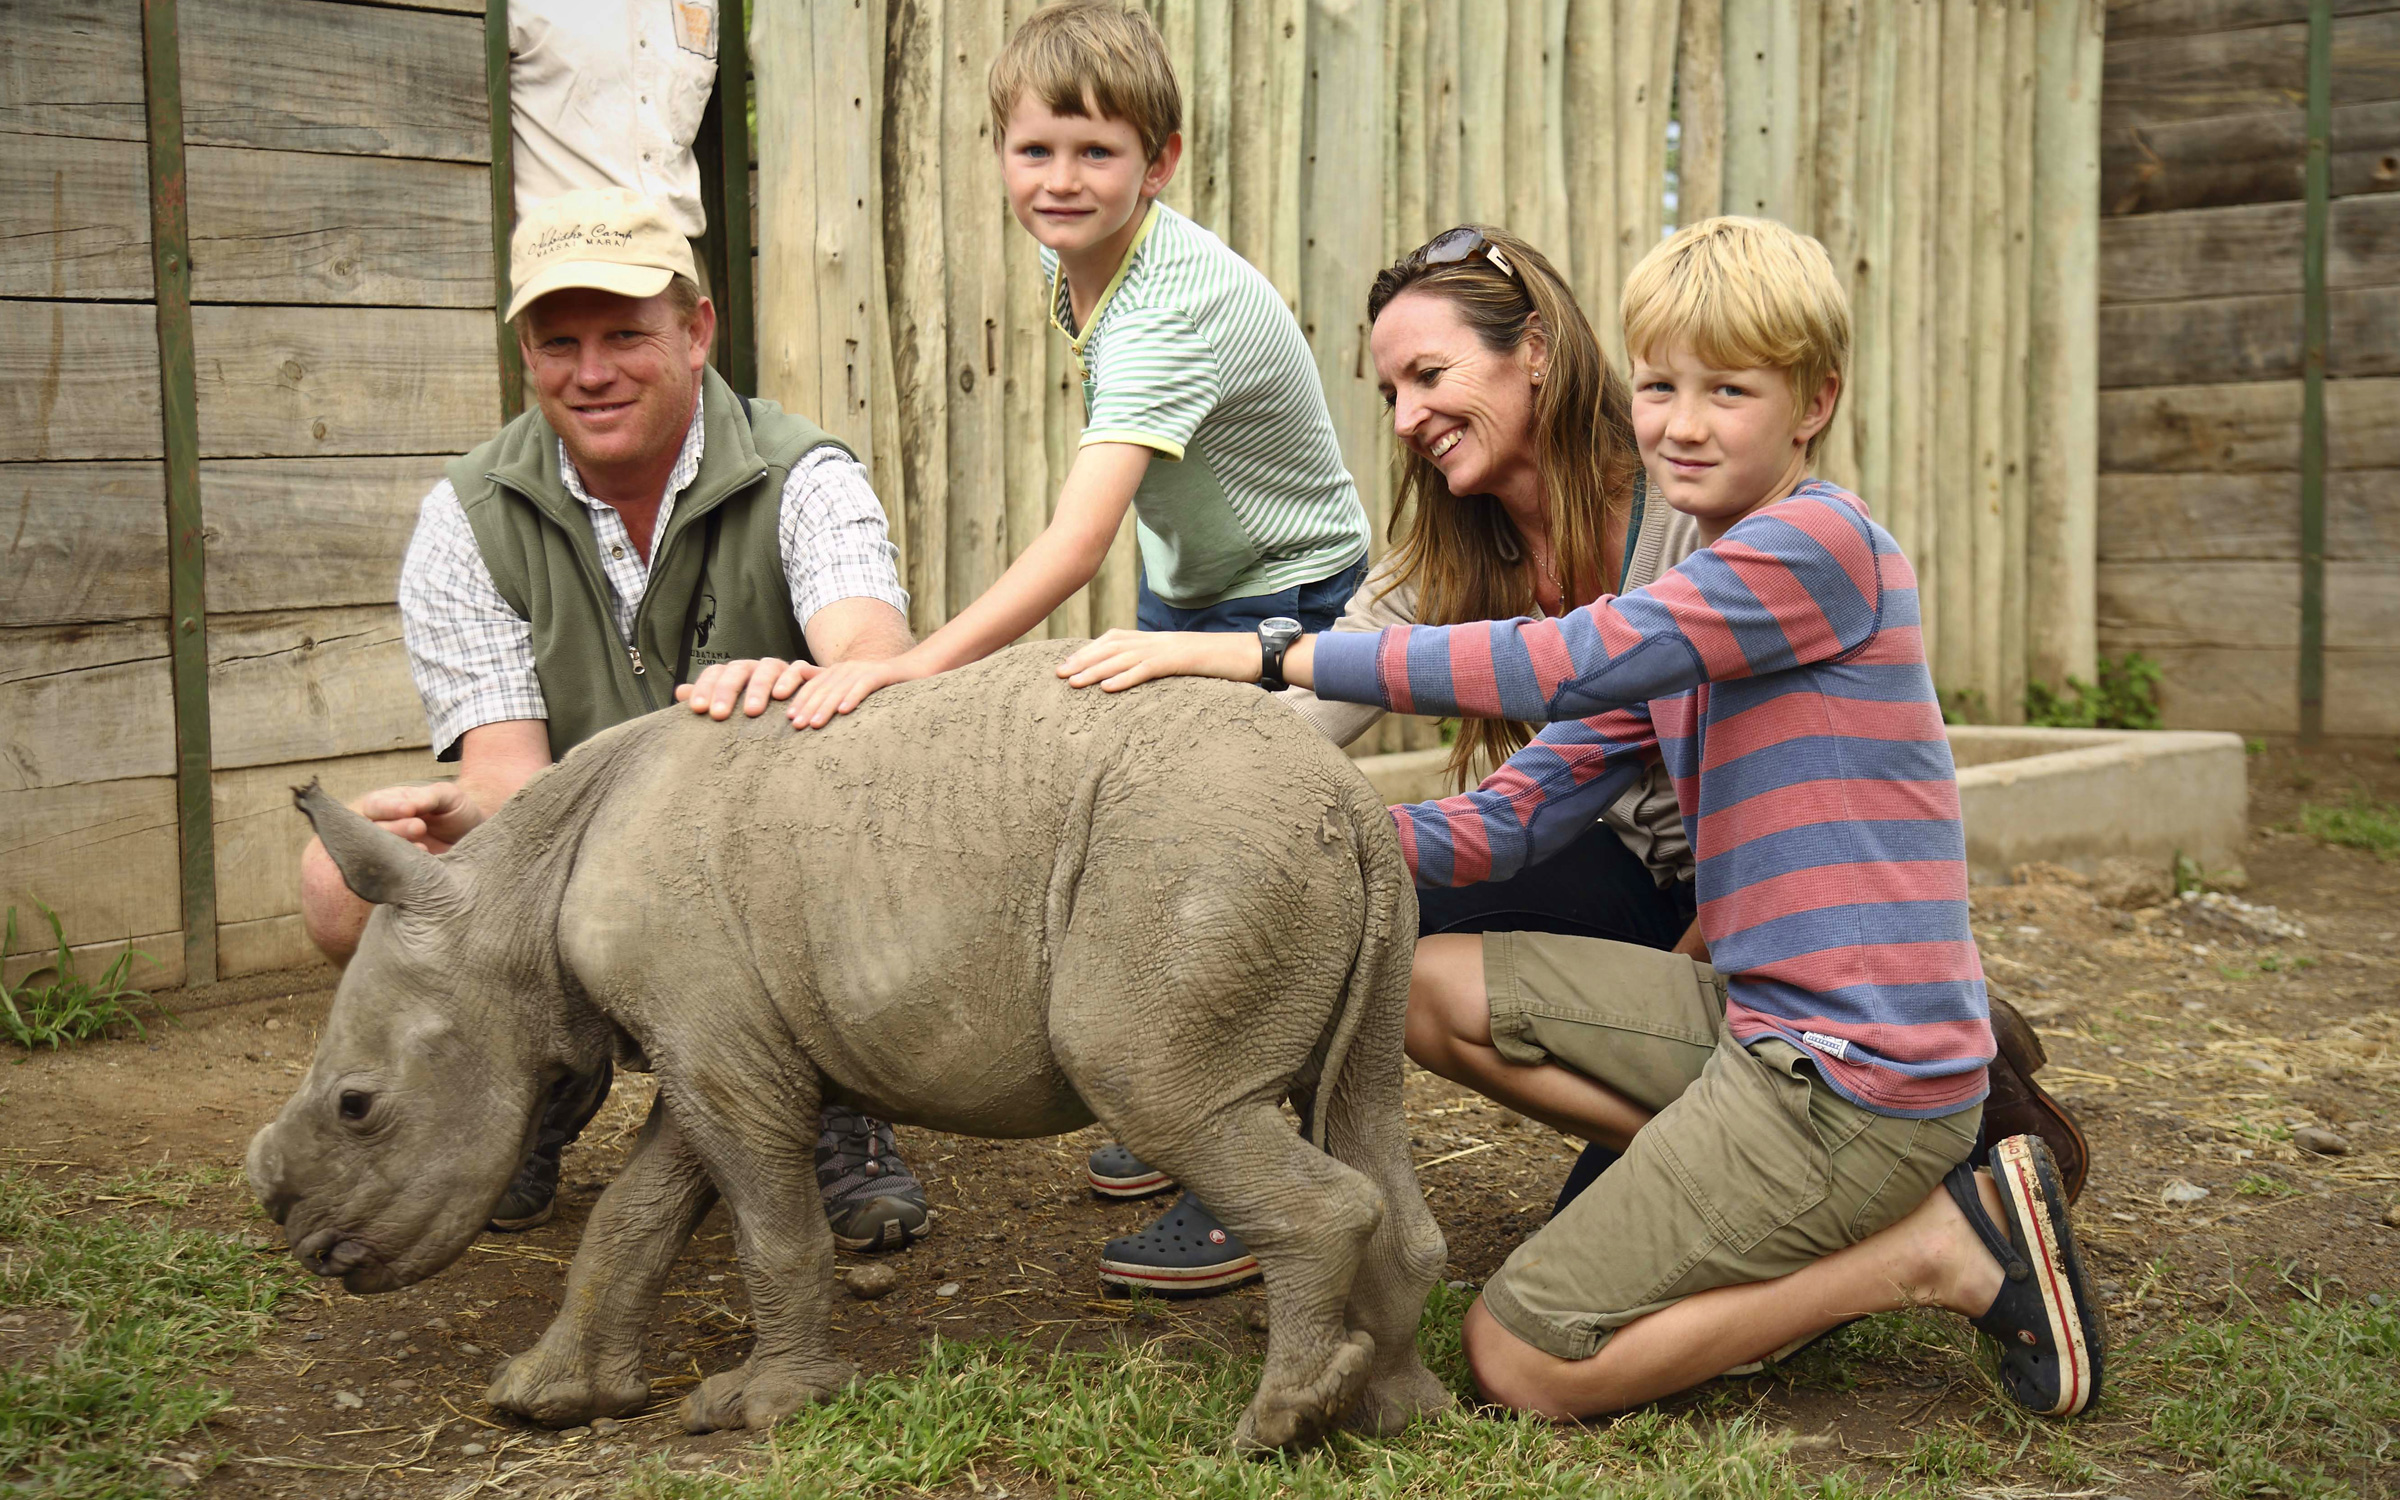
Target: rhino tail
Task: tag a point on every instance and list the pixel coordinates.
(1386, 941)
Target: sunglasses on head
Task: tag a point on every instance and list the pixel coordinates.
(1465, 242)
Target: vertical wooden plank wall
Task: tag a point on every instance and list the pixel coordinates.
(1903, 135)
(2201, 277)
(341, 267)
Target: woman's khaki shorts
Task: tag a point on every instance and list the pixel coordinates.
(1751, 1169)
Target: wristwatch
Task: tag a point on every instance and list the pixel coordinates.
(1275, 636)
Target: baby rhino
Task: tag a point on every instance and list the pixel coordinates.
(986, 903)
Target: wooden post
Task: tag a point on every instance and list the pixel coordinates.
(2064, 341)
(2018, 165)
(2314, 337)
(1988, 355)
(1589, 257)
(1868, 404)
(1700, 111)
(187, 570)
(504, 201)
(737, 294)
(1954, 436)
(1835, 164)
(1346, 226)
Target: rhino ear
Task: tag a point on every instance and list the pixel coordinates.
(379, 867)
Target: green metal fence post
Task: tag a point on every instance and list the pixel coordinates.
(504, 201)
(187, 578)
(2313, 338)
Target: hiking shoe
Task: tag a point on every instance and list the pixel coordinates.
(1595, 1160)
(532, 1195)
(1186, 1250)
(2051, 1330)
(872, 1200)
(1115, 1172)
(2019, 1106)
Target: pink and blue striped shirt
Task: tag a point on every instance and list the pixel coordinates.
(1780, 675)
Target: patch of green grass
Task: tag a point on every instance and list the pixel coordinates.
(2260, 1185)
(153, 1309)
(2360, 823)
(1153, 1421)
(67, 1007)
(2125, 697)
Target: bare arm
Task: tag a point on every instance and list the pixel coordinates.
(1091, 506)
(493, 759)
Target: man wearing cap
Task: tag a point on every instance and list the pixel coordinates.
(639, 524)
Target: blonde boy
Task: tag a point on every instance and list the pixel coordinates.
(1203, 410)
(1798, 1120)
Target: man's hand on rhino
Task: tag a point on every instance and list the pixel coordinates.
(842, 687)
(750, 683)
(432, 815)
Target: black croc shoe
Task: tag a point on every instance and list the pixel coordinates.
(1115, 1172)
(1186, 1250)
(2052, 1333)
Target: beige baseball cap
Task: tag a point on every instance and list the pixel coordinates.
(605, 238)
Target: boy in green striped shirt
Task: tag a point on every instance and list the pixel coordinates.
(1203, 411)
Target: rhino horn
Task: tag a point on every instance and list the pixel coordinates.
(379, 867)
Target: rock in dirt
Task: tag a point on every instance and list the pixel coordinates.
(2391, 1216)
(2129, 884)
(606, 1426)
(2179, 1193)
(347, 1400)
(871, 1281)
(946, 1289)
(1256, 1317)
(2319, 1141)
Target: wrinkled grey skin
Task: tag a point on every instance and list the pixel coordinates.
(986, 903)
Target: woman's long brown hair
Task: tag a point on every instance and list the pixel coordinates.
(1461, 552)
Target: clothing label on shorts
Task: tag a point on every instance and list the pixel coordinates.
(1823, 1043)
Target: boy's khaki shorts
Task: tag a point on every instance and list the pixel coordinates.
(1751, 1169)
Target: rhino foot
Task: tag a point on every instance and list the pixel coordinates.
(758, 1397)
(1386, 1407)
(552, 1392)
(1284, 1414)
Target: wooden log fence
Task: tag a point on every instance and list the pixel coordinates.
(1946, 152)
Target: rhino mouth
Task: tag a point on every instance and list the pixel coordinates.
(330, 1253)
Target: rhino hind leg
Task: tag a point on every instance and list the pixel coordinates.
(1366, 1129)
(589, 1361)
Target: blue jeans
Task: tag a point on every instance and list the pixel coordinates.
(1315, 605)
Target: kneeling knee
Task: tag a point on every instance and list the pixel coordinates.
(1507, 1370)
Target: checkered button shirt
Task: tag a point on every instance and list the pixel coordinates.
(472, 655)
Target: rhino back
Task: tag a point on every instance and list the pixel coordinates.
(896, 877)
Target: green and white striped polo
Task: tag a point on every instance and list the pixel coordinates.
(1191, 353)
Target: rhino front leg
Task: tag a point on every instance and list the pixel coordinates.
(589, 1361)
(765, 1166)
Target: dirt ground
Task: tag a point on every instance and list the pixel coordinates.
(2194, 1038)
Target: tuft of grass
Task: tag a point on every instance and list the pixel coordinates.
(2125, 697)
(2260, 1185)
(153, 1308)
(67, 1008)
(2360, 823)
(2303, 1406)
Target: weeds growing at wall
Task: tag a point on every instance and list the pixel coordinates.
(2125, 697)
(64, 1006)
(2360, 823)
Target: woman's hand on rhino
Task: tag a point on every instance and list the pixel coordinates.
(842, 687)
(432, 815)
(751, 683)
(1122, 658)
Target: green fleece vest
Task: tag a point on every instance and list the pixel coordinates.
(716, 589)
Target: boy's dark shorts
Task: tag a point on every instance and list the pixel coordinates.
(1751, 1169)
(1315, 605)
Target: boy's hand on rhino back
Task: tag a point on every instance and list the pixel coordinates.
(1122, 658)
(842, 687)
(749, 683)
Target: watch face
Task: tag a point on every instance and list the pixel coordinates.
(1280, 625)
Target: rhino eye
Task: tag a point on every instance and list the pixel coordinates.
(354, 1104)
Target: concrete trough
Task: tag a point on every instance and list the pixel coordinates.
(2071, 797)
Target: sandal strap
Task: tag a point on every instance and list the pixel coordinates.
(1961, 1183)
